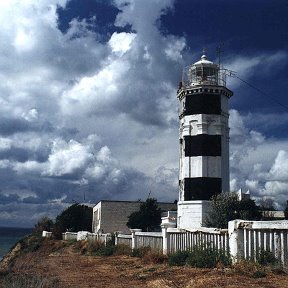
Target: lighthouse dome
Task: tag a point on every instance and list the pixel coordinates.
(203, 72)
(204, 61)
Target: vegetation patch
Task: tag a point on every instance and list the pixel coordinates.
(27, 280)
(122, 249)
(200, 257)
(265, 257)
(155, 257)
(140, 252)
(250, 269)
(178, 258)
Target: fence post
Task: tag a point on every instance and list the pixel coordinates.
(165, 227)
(165, 242)
(236, 239)
(133, 231)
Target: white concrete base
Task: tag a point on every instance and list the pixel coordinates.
(192, 214)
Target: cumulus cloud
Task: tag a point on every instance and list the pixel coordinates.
(258, 163)
(86, 117)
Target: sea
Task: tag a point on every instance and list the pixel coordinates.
(10, 236)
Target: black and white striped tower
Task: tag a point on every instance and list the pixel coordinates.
(204, 140)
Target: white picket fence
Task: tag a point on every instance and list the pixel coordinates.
(215, 238)
(242, 240)
(248, 239)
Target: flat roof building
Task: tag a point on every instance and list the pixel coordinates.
(112, 216)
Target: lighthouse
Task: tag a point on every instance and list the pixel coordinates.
(203, 140)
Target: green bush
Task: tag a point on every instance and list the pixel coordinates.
(200, 257)
(265, 257)
(106, 251)
(179, 258)
(208, 257)
(259, 274)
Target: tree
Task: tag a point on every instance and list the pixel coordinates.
(226, 207)
(267, 206)
(147, 218)
(44, 224)
(75, 218)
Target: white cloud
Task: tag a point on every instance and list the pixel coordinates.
(246, 66)
(279, 170)
(82, 114)
(66, 158)
(258, 163)
(121, 42)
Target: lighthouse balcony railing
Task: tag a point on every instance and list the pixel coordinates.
(192, 78)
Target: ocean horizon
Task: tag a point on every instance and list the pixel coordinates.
(9, 236)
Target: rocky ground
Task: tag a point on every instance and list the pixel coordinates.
(57, 264)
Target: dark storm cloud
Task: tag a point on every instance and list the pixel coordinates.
(85, 94)
(9, 126)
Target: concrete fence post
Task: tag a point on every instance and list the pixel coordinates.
(133, 232)
(165, 239)
(236, 238)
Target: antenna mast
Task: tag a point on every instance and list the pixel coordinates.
(219, 53)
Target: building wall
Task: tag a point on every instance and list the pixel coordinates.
(112, 216)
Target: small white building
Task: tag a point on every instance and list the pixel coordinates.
(112, 216)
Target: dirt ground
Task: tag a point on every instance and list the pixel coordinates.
(72, 269)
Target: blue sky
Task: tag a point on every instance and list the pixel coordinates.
(88, 98)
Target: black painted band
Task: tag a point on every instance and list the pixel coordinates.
(202, 188)
(202, 103)
(202, 145)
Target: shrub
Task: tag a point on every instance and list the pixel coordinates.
(155, 257)
(179, 258)
(200, 257)
(93, 247)
(31, 243)
(81, 246)
(122, 249)
(106, 251)
(44, 224)
(265, 257)
(259, 274)
(207, 257)
(140, 252)
(249, 268)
